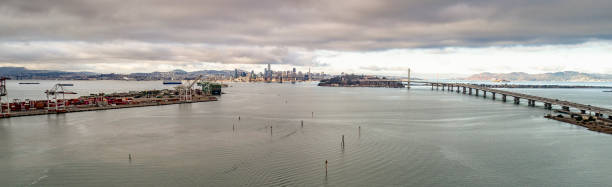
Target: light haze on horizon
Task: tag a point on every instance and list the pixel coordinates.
(371, 37)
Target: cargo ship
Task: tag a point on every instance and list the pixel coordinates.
(173, 82)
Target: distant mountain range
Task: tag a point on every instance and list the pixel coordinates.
(570, 76)
(24, 73)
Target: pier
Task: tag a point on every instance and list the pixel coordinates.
(548, 103)
(57, 103)
(154, 102)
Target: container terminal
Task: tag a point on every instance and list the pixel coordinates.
(56, 102)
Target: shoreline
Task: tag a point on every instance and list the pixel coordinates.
(593, 124)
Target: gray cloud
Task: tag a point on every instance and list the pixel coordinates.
(314, 24)
(276, 31)
(152, 53)
(383, 68)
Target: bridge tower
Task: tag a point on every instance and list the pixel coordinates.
(408, 85)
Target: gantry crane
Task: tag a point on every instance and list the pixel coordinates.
(3, 93)
(58, 89)
(186, 92)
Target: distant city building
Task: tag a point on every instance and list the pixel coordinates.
(269, 73)
(292, 75)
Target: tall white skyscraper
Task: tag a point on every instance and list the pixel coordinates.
(269, 73)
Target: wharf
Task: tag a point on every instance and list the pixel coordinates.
(108, 107)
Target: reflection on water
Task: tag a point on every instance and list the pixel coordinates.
(392, 137)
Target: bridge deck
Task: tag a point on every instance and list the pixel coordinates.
(578, 106)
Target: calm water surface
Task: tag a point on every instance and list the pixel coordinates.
(415, 137)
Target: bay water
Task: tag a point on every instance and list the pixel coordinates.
(253, 136)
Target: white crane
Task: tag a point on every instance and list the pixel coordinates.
(186, 92)
(58, 89)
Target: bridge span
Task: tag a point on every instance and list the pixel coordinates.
(477, 90)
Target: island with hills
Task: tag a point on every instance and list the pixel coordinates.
(565, 76)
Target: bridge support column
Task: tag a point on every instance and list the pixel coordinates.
(493, 95)
(437, 86)
(450, 87)
(484, 94)
(566, 108)
(470, 91)
(431, 86)
(443, 85)
(464, 90)
(457, 89)
(517, 100)
(583, 111)
(504, 97)
(548, 106)
(476, 92)
(531, 103)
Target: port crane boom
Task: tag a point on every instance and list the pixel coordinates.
(186, 91)
(54, 92)
(3, 93)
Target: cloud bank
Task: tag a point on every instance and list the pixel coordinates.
(174, 33)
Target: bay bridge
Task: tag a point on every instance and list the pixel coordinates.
(478, 90)
(517, 98)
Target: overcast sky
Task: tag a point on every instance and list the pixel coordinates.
(356, 36)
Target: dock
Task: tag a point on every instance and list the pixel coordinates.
(57, 103)
(108, 107)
